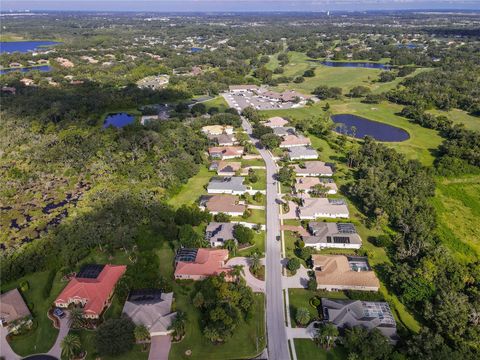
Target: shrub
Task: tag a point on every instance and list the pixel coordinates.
(24, 286)
(302, 316)
(315, 301)
(293, 264)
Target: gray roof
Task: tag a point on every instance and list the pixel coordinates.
(281, 131)
(299, 151)
(369, 314)
(327, 232)
(234, 183)
(219, 232)
(223, 138)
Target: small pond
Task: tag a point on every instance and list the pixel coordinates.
(24, 46)
(354, 64)
(42, 68)
(363, 127)
(118, 120)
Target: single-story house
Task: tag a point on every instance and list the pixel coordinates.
(313, 168)
(198, 264)
(227, 185)
(340, 272)
(290, 141)
(275, 122)
(306, 184)
(225, 168)
(151, 308)
(313, 208)
(243, 88)
(302, 153)
(13, 310)
(225, 152)
(219, 232)
(217, 129)
(332, 235)
(368, 314)
(284, 131)
(223, 139)
(227, 204)
(91, 288)
(292, 95)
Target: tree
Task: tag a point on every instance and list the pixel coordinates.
(71, 346)
(255, 262)
(359, 91)
(367, 344)
(286, 175)
(243, 234)
(221, 217)
(75, 318)
(293, 264)
(141, 333)
(309, 73)
(198, 300)
(178, 325)
(325, 92)
(198, 109)
(302, 316)
(312, 284)
(326, 335)
(386, 76)
(115, 336)
(270, 141)
(252, 176)
(231, 246)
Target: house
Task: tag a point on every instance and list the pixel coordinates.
(302, 153)
(198, 264)
(275, 122)
(27, 82)
(307, 184)
(341, 272)
(13, 310)
(290, 141)
(91, 288)
(148, 118)
(223, 139)
(227, 185)
(151, 308)
(225, 152)
(243, 88)
(313, 168)
(9, 90)
(368, 314)
(332, 235)
(292, 95)
(217, 130)
(157, 82)
(217, 233)
(14, 64)
(313, 208)
(64, 62)
(227, 204)
(226, 168)
(284, 131)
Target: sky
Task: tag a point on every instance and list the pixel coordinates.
(234, 5)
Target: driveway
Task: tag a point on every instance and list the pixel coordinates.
(56, 349)
(5, 349)
(160, 347)
(255, 284)
(297, 281)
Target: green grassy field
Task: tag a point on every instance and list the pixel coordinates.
(257, 217)
(259, 239)
(261, 184)
(218, 102)
(193, 189)
(460, 117)
(307, 350)
(457, 203)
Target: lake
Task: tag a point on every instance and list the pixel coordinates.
(42, 68)
(118, 120)
(23, 46)
(368, 65)
(379, 131)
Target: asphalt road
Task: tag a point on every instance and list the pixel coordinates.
(276, 331)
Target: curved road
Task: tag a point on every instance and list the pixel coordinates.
(276, 331)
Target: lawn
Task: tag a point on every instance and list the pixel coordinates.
(252, 162)
(259, 239)
(246, 343)
(193, 189)
(261, 184)
(307, 350)
(457, 203)
(218, 102)
(256, 217)
(460, 117)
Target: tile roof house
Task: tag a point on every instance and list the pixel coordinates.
(340, 272)
(290, 141)
(219, 232)
(306, 184)
(227, 185)
(292, 95)
(226, 168)
(223, 139)
(313, 168)
(313, 208)
(302, 153)
(283, 131)
(207, 262)
(217, 129)
(227, 204)
(275, 122)
(92, 294)
(332, 235)
(225, 152)
(150, 308)
(368, 314)
(12, 308)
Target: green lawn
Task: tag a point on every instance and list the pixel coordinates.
(218, 102)
(252, 162)
(248, 341)
(460, 117)
(193, 189)
(259, 239)
(261, 184)
(257, 217)
(457, 203)
(307, 350)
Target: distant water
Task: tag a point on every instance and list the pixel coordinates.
(118, 120)
(369, 65)
(364, 127)
(43, 68)
(196, 49)
(23, 46)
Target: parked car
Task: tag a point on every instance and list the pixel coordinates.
(59, 313)
(278, 238)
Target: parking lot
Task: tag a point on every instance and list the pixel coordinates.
(242, 100)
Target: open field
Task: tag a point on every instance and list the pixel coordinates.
(307, 350)
(218, 102)
(457, 202)
(193, 189)
(460, 117)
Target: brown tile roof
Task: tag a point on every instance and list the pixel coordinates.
(276, 121)
(224, 203)
(226, 150)
(313, 167)
(307, 183)
(208, 262)
(12, 306)
(295, 140)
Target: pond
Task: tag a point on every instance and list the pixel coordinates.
(118, 120)
(42, 68)
(354, 64)
(24, 46)
(364, 127)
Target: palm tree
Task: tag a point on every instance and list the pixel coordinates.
(70, 346)
(254, 261)
(236, 271)
(178, 324)
(75, 318)
(141, 334)
(231, 245)
(326, 335)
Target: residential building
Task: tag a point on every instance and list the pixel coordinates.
(313, 168)
(284, 131)
(227, 204)
(302, 153)
(217, 129)
(275, 122)
(332, 235)
(225, 168)
(151, 308)
(307, 184)
(313, 208)
(223, 139)
(217, 233)
(292, 96)
(13, 311)
(198, 264)
(340, 272)
(243, 88)
(91, 288)
(225, 152)
(371, 315)
(227, 185)
(290, 141)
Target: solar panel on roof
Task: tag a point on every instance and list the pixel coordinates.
(341, 239)
(90, 271)
(145, 295)
(346, 228)
(336, 201)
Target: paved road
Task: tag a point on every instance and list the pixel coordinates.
(276, 331)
